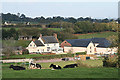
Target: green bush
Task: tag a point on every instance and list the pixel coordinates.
(81, 64)
(81, 53)
(13, 58)
(25, 51)
(110, 61)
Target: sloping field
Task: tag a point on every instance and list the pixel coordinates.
(96, 35)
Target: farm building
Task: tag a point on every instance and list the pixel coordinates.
(25, 38)
(45, 44)
(91, 46)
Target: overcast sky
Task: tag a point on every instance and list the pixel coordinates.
(64, 9)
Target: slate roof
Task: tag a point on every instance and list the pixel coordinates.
(38, 43)
(102, 42)
(84, 42)
(49, 39)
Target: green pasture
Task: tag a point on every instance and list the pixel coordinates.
(46, 72)
(23, 43)
(96, 35)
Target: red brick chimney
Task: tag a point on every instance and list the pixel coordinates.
(41, 35)
(33, 39)
(55, 35)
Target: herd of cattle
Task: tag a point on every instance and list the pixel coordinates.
(38, 66)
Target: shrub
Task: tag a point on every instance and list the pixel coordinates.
(110, 61)
(81, 53)
(70, 51)
(81, 64)
(25, 51)
(13, 58)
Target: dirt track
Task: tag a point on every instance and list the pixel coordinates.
(53, 60)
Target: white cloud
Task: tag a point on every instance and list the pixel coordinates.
(59, 0)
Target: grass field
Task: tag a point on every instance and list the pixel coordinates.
(93, 63)
(80, 72)
(96, 35)
(23, 43)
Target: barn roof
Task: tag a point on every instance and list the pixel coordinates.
(84, 42)
(101, 41)
(49, 39)
(38, 43)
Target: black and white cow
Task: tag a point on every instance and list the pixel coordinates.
(17, 67)
(38, 66)
(71, 66)
(32, 65)
(55, 66)
(35, 65)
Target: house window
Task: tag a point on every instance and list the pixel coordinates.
(90, 47)
(54, 50)
(30, 45)
(54, 44)
(48, 48)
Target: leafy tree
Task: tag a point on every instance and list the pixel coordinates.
(114, 40)
(12, 33)
(25, 51)
(69, 30)
(22, 16)
(60, 24)
(84, 27)
(65, 35)
(71, 19)
(29, 31)
(46, 32)
(4, 34)
(113, 25)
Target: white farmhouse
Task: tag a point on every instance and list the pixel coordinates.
(91, 46)
(45, 44)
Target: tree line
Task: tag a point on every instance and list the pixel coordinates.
(67, 28)
(35, 32)
(85, 26)
(22, 18)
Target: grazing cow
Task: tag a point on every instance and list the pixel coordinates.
(55, 66)
(71, 66)
(17, 67)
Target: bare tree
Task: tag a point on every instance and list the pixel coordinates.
(8, 47)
